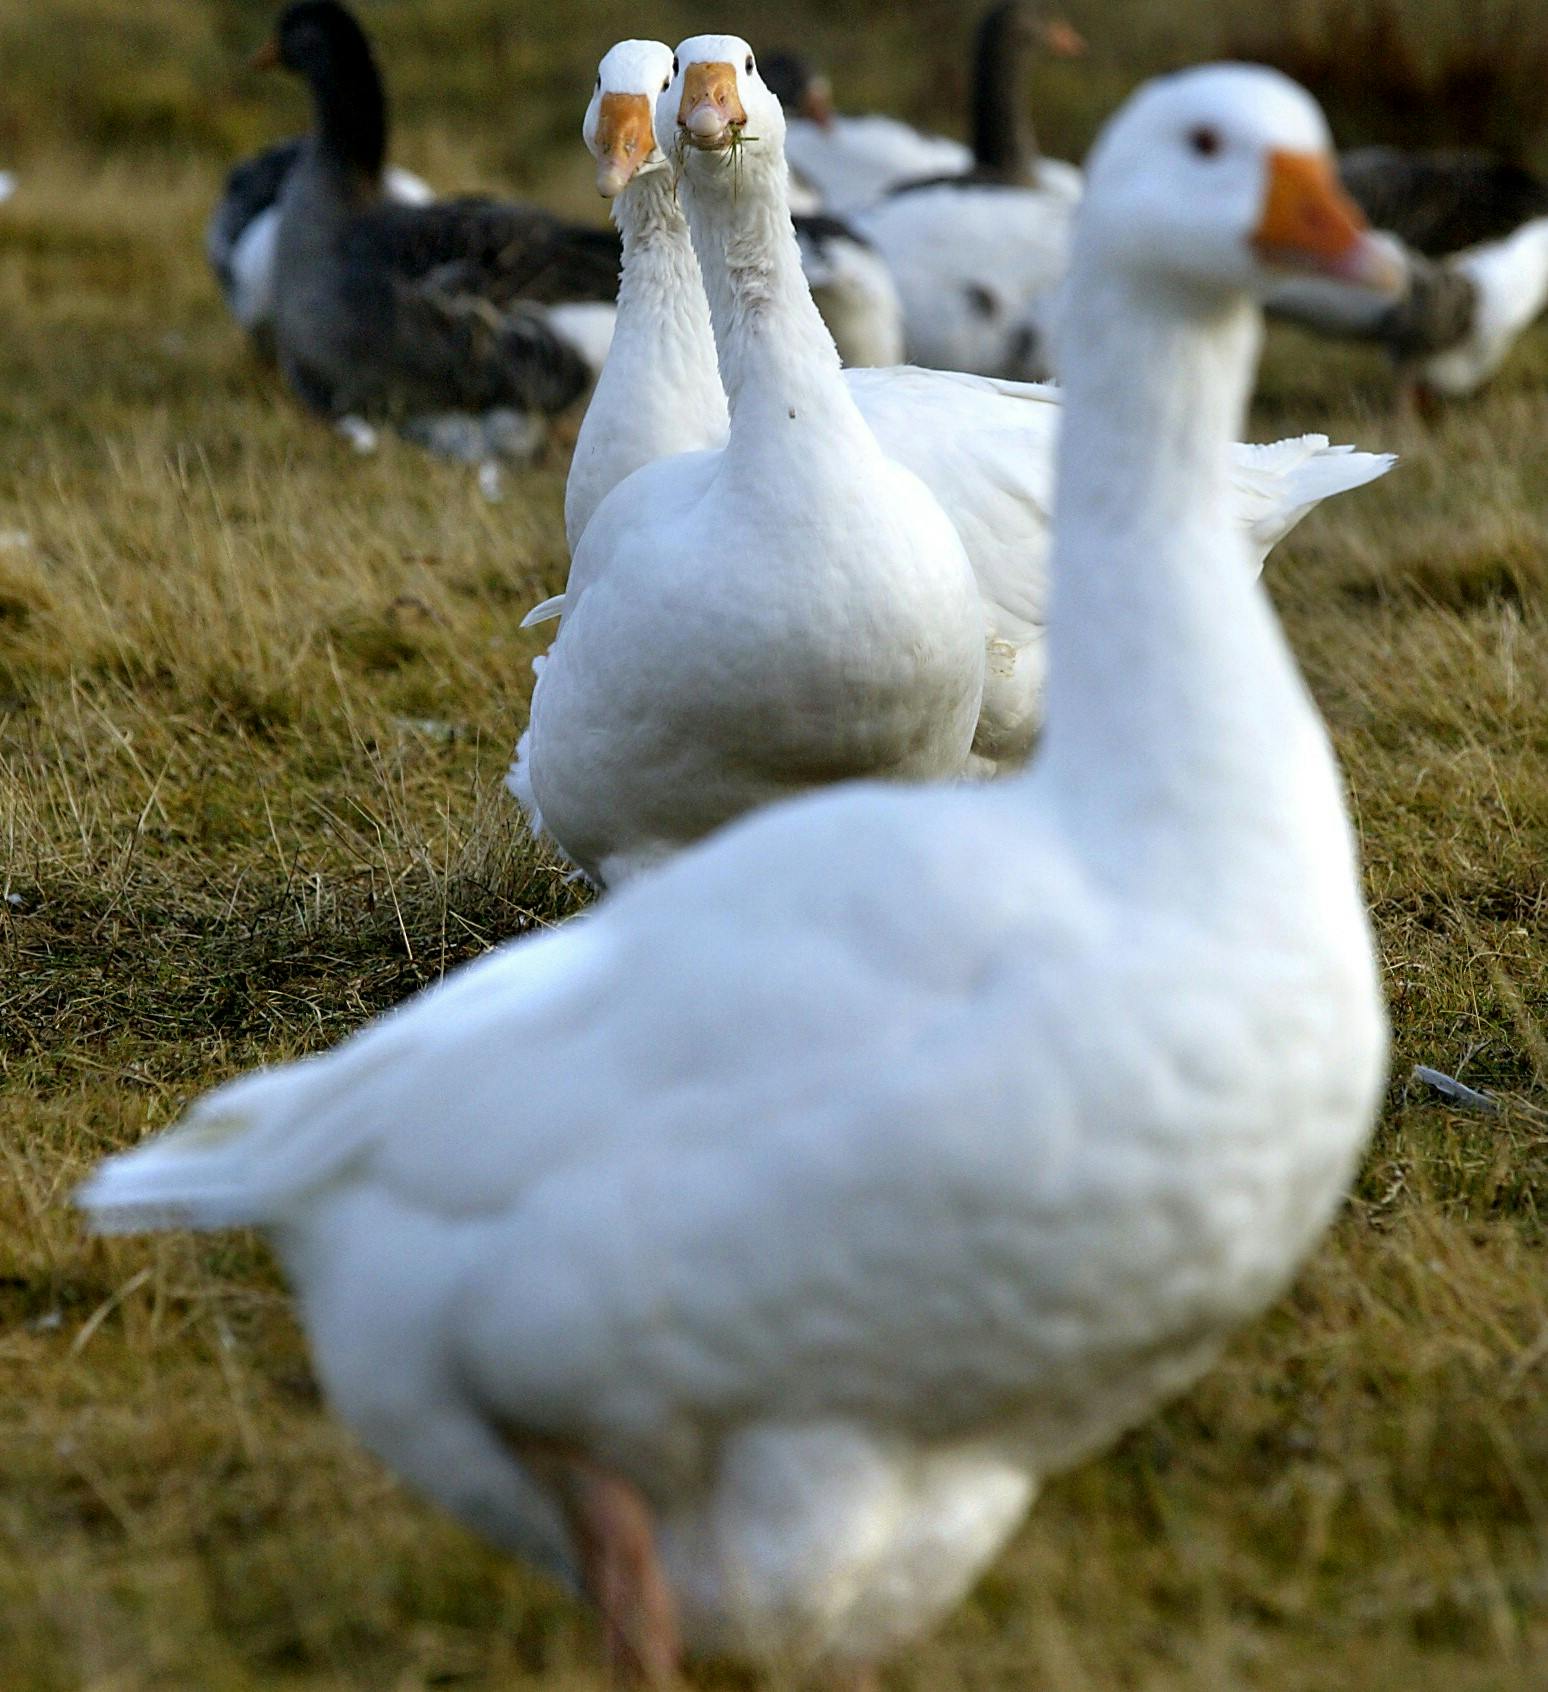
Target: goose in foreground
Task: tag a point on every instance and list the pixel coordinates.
(417, 315)
(798, 1211)
(984, 449)
(787, 609)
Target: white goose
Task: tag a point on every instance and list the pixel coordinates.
(787, 1218)
(984, 448)
(786, 610)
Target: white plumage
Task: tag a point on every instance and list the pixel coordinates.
(900, 1145)
(969, 260)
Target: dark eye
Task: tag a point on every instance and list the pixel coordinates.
(599, 79)
(674, 64)
(749, 64)
(666, 83)
(1204, 141)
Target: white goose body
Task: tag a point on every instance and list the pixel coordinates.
(970, 259)
(899, 1146)
(984, 448)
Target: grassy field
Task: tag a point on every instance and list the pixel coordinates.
(256, 694)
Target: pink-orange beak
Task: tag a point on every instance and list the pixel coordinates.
(710, 108)
(625, 139)
(1310, 224)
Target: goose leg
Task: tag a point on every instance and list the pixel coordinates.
(620, 1570)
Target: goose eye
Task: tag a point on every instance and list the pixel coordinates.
(749, 64)
(674, 64)
(1204, 141)
(599, 80)
(666, 83)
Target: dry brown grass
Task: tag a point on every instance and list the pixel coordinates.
(255, 697)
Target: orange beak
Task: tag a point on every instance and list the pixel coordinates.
(710, 108)
(1310, 224)
(267, 57)
(625, 139)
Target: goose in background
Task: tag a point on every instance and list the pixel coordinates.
(848, 162)
(852, 287)
(972, 250)
(839, 162)
(7, 185)
(425, 316)
(1441, 201)
(796, 1213)
(1456, 322)
(983, 448)
(240, 235)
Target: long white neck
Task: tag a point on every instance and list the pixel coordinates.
(777, 359)
(1181, 745)
(659, 392)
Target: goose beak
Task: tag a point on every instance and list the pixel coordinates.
(1062, 39)
(625, 140)
(267, 57)
(710, 108)
(1310, 224)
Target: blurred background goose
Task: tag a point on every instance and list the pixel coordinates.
(794, 1215)
(423, 315)
(850, 161)
(971, 250)
(1456, 322)
(239, 238)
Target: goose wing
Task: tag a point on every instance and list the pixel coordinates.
(501, 252)
(451, 349)
(251, 187)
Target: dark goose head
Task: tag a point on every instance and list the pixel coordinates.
(321, 41)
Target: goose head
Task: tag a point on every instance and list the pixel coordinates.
(619, 130)
(1221, 180)
(718, 112)
(320, 41)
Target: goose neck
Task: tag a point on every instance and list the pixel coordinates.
(350, 108)
(1003, 143)
(663, 332)
(1175, 715)
(776, 355)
